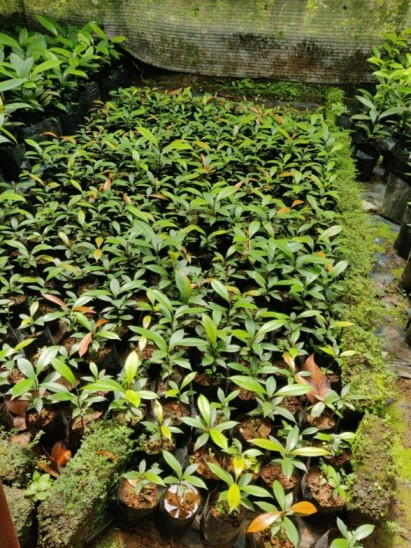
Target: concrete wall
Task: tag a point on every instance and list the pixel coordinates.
(301, 40)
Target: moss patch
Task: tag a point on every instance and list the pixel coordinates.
(367, 371)
(79, 501)
(373, 468)
(16, 462)
(22, 513)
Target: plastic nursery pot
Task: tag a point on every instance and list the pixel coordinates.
(366, 158)
(399, 163)
(326, 539)
(76, 112)
(245, 401)
(397, 194)
(179, 506)
(402, 244)
(176, 410)
(206, 385)
(406, 277)
(264, 540)
(316, 490)
(133, 507)
(202, 457)
(219, 528)
(325, 422)
(50, 420)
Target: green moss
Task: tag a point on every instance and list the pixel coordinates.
(367, 371)
(16, 462)
(22, 513)
(373, 469)
(79, 501)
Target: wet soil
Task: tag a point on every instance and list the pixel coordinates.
(147, 498)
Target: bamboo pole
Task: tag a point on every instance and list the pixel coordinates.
(7, 532)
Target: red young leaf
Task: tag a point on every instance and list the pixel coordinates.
(60, 453)
(263, 522)
(84, 309)
(85, 343)
(50, 469)
(107, 454)
(101, 321)
(17, 407)
(54, 300)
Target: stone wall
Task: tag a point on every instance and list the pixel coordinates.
(301, 40)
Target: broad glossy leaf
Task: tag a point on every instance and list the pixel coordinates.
(233, 497)
(263, 522)
(133, 397)
(303, 508)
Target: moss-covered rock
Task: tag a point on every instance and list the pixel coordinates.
(23, 516)
(373, 466)
(16, 462)
(79, 501)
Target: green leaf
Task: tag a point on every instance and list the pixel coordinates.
(133, 397)
(183, 284)
(173, 463)
(46, 66)
(291, 531)
(131, 367)
(222, 474)
(364, 531)
(146, 133)
(272, 325)
(219, 438)
(310, 452)
(329, 232)
(248, 383)
(233, 497)
(210, 328)
(293, 390)
(204, 408)
(64, 370)
(11, 84)
(47, 24)
(269, 445)
(220, 289)
(22, 388)
(340, 543)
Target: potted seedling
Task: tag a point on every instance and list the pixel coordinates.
(211, 427)
(348, 539)
(159, 433)
(225, 509)
(276, 527)
(284, 467)
(326, 487)
(338, 445)
(138, 494)
(181, 500)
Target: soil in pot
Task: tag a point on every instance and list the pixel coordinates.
(50, 420)
(264, 540)
(272, 472)
(206, 385)
(245, 401)
(254, 427)
(320, 492)
(202, 457)
(175, 411)
(218, 526)
(323, 422)
(132, 506)
(179, 506)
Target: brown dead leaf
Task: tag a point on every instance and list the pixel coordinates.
(107, 454)
(317, 380)
(84, 344)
